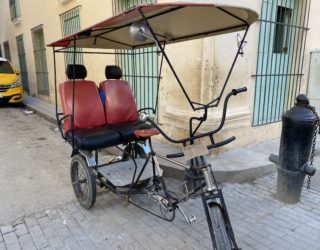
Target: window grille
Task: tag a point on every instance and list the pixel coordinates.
(6, 47)
(22, 63)
(14, 9)
(39, 50)
(139, 66)
(282, 38)
(70, 24)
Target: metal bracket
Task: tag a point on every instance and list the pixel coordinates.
(307, 169)
(91, 160)
(146, 147)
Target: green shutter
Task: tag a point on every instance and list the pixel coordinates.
(70, 22)
(7, 50)
(14, 9)
(22, 63)
(39, 50)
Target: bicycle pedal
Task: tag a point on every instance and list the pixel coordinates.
(192, 219)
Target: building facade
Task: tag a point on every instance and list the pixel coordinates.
(274, 67)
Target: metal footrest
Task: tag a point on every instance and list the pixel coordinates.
(121, 173)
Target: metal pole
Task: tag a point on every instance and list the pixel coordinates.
(73, 88)
(167, 59)
(274, 80)
(257, 96)
(55, 82)
(268, 64)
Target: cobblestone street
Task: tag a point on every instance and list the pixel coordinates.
(259, 222)
(43, 214)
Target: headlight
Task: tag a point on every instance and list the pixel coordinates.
(15, 85)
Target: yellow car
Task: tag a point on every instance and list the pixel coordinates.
(11, 90)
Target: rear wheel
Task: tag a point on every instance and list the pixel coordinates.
(219, 228)
(83, 182)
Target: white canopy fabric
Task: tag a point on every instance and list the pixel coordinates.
(171, 22)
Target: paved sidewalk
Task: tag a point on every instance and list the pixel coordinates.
(259, 221)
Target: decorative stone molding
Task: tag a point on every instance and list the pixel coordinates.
(16, 20)
(64, 1)
(236, 118)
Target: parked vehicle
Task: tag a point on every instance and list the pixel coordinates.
(11, 90)
(90, 123)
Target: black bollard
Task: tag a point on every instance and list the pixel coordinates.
(298, 126)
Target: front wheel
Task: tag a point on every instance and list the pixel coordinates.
(83, 182)
(219, 229)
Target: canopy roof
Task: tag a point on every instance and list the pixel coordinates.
(171, 22)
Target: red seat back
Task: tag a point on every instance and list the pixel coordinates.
(88, 109)
(120, 106)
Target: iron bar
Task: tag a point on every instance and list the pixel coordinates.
(167, 59)
(268, 54)
(73, 91)
(305, 39)
(134, 73)
(279, 72)
(158, 85)
(284, 77)
(279, 23)
(276, 80)
(283, 74)
(290, 68)
(256, 99)
(55, 82)
(148, 85)
(297, 62)
(217, 100)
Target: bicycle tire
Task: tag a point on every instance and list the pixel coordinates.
(83, 182)
(218, 224)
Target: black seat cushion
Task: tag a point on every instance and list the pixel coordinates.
(126, 130)
(94, 138)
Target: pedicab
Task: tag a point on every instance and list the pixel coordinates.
(100, 116)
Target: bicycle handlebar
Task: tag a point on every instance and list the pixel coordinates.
(239, 90)
(145, 118)
(225, 106)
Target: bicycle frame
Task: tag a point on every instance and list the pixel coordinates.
(206, 183)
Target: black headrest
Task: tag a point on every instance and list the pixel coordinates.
(113, 72)
(80, 71)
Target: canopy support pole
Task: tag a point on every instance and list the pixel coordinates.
(167, 59)
(218, 99)
(55, 82)
(73, 90)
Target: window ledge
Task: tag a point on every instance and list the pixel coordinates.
(16, 20)
(64, 1)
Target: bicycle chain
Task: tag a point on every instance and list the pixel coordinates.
(313, 110)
